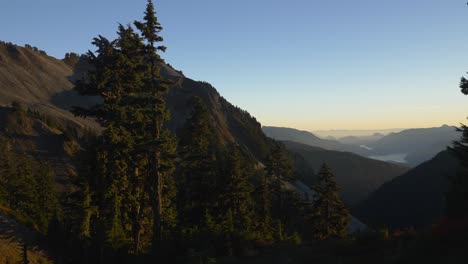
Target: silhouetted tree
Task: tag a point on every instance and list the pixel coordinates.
(236, 206)
(279, 169)
(156, 86)
(198, 167)
(457, 196)
(136, 153)
(330, 217)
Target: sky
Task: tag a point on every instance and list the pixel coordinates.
(307, 64)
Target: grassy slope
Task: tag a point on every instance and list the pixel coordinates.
(39, 81)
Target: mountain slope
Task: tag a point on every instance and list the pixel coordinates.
(307, 138)
(413, 199)
(34, 79)
(419, 144)
(361, 140)
(357, 176)
(44, 83)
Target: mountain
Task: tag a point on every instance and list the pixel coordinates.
(341, 133)
(41, 82)
(418, 145)
(415, 198)
(361, 140)
(357, 176)
(44, 83)
(307, 138)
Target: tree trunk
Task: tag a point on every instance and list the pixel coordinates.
(157, 211)
(137, 223)
(157, 194)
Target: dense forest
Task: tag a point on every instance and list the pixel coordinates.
(142, 192)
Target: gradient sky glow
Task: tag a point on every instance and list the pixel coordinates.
(308, 64)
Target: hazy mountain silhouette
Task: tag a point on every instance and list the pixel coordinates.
(419, 145)
(361, 140)
(342, 133)
(414, 199)
(304, 137)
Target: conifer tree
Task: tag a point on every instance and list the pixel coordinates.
(156, 86)
(27, 186)
(236, 201)
(331, 218)
(457, 195)
(265, 207)
(48, 204)
(279, 168)
(23, 191)
(114, 77)
(136, 154)
(198, 166)
(5, 169)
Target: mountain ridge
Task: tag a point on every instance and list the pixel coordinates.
(357, 176)
(308, 138)
(414, 199)
(45, 84)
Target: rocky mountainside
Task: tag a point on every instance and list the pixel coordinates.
(44, 83)
(40, 82)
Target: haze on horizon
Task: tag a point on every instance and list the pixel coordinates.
(306, 64)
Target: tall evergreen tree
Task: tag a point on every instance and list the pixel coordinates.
(48, 204)
(156, 86)
(27, 186)
(265, 206)
(5, 168)
(136, 154)
(279, 169)
(237, 204)
(198, 166)
(23, 191)
(331, 218)
(457, 195)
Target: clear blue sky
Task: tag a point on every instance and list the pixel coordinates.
(309, 64)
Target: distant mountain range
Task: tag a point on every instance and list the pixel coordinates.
(357, 176)
(414, 199)
(341, 133)
(361, 140)
(419, 145)
(307, 138)
(411, 146)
